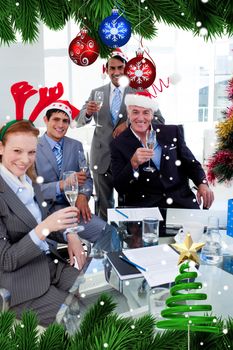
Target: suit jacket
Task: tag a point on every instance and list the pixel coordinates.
(24, 269)
(100, 147)
(46, 166)
(171, 181)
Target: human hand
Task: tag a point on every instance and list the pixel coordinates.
(141, 156)
(82, 176)
(82, 205)
(205, 195)
(92, 107)
(75, 249)
(119, 129)
(59, 220)
(70, 180)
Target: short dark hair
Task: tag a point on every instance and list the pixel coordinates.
(118, 58)
(49, 112)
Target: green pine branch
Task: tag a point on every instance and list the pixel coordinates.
(6, 322)
(54, 13)
(25, 333)
(25, 20)
(102, 309)
(216, 16)
(118, 333)
(223, 172)
(54, 338)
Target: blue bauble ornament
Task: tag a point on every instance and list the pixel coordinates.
(115, 30)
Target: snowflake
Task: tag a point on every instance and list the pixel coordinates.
(114, 30)
(139, 72)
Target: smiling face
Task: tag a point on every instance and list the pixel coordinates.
(140, 119)
(115, 70)
(57, 125)
(18, 153)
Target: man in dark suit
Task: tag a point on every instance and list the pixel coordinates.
(173, 163)
(57, 119)
(111, 126)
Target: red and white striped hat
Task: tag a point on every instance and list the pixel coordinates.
(66, 107)
(142, 99)
(117, 52)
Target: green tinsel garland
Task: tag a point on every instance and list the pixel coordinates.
(24, 16)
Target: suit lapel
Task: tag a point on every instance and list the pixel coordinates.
(39, 199)
(16, 205)
(161, 143)
(48, 153)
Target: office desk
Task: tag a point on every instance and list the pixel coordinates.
(99, 277)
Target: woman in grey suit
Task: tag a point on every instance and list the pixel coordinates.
(36, 276)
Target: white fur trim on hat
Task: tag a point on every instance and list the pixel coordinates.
(63, 107)
(141, 101)
(118, 52)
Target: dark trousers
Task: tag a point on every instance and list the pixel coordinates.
(104, 193)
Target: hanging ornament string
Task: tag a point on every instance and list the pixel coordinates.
(140, 71)
(83, 23)
(161, 82)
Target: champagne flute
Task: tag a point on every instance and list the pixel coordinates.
(83, 161)
(150, 143)
(99, 99)
(84, 166)
(71, 192)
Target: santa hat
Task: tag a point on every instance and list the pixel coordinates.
(65, 107)
(118, 53)
(141, 99)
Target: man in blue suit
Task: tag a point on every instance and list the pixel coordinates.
(57, 120)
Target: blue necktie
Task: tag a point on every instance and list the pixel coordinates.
(116, 104)
(57, 149)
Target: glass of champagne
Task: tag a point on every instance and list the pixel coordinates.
(71, 192)
(99, 99)
(83, 161)
(84, 166)
(150, 143)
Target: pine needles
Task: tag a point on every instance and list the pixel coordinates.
(24, 16)
(102, 328)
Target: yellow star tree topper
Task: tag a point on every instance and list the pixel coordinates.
(188, 249)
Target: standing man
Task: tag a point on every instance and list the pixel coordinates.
(112, 118)
(57, 153)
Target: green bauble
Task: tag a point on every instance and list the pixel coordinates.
(179, 314)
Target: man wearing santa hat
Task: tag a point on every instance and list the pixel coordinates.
(157, 175)
(112, 117)
(56, 154)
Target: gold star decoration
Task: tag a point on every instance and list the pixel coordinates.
(188, 249)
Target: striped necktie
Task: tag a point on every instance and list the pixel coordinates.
(116, 104)
(57, 149)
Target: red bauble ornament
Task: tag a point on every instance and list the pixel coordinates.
(140, 71)
(83, 50)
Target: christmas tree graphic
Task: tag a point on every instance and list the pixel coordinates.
(179, 311)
